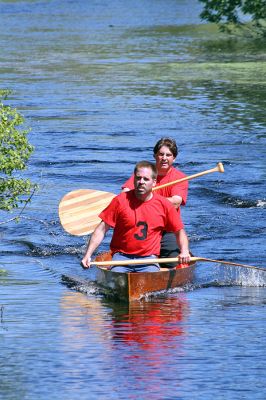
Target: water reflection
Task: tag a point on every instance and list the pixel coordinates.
(83, 316)
(133, 342)
(157, 324)
(149, 324)
(145, 336)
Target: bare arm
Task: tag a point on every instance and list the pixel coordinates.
(183, 244)
(175, 200)
(95, 241)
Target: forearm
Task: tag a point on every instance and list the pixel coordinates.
(94, 242)
(183, 245)
(175, 200)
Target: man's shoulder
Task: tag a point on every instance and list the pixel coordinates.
(118, 198)
(125, 196)
(174, 172)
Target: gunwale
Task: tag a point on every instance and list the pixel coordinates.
(133, 286)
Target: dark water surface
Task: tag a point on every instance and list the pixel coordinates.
(99, 83)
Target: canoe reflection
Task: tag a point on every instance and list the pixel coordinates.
(153, 323)
(150, 324)
(141, 345)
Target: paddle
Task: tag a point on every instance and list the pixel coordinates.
(79, 209)
(218, 168)
(167, 260)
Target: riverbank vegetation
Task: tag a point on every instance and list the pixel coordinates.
(15, 152)
(232, 15)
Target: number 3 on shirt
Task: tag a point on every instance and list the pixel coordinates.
(143, 231)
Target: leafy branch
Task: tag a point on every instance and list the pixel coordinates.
(229, 14)
(15, 151)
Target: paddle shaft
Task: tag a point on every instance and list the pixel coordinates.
(169, 260)
(226, 263)
(218, 168)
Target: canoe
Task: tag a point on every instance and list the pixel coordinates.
(133, 286)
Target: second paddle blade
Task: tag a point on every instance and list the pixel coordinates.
(79, 210)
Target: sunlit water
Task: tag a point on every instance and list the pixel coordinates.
(99, 84)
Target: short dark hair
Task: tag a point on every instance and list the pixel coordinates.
(146, 164)
(168, 142)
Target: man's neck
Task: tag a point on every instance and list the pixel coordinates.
(144, 197)
(163, 172)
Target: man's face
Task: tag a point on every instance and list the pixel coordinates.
(143, 181)
(164, 158)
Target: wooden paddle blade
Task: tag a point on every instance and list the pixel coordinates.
(79, 210)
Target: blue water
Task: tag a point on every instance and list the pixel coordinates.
(99, 83)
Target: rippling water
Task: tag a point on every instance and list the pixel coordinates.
(99, 83)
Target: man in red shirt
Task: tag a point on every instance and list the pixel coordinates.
(139, 217)
(165, 152)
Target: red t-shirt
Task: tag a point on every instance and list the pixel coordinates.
(178, 189)
(138, 225)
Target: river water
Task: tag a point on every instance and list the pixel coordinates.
(99, 82)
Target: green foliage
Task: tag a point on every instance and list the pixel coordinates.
(15, 151)
(229, 13)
